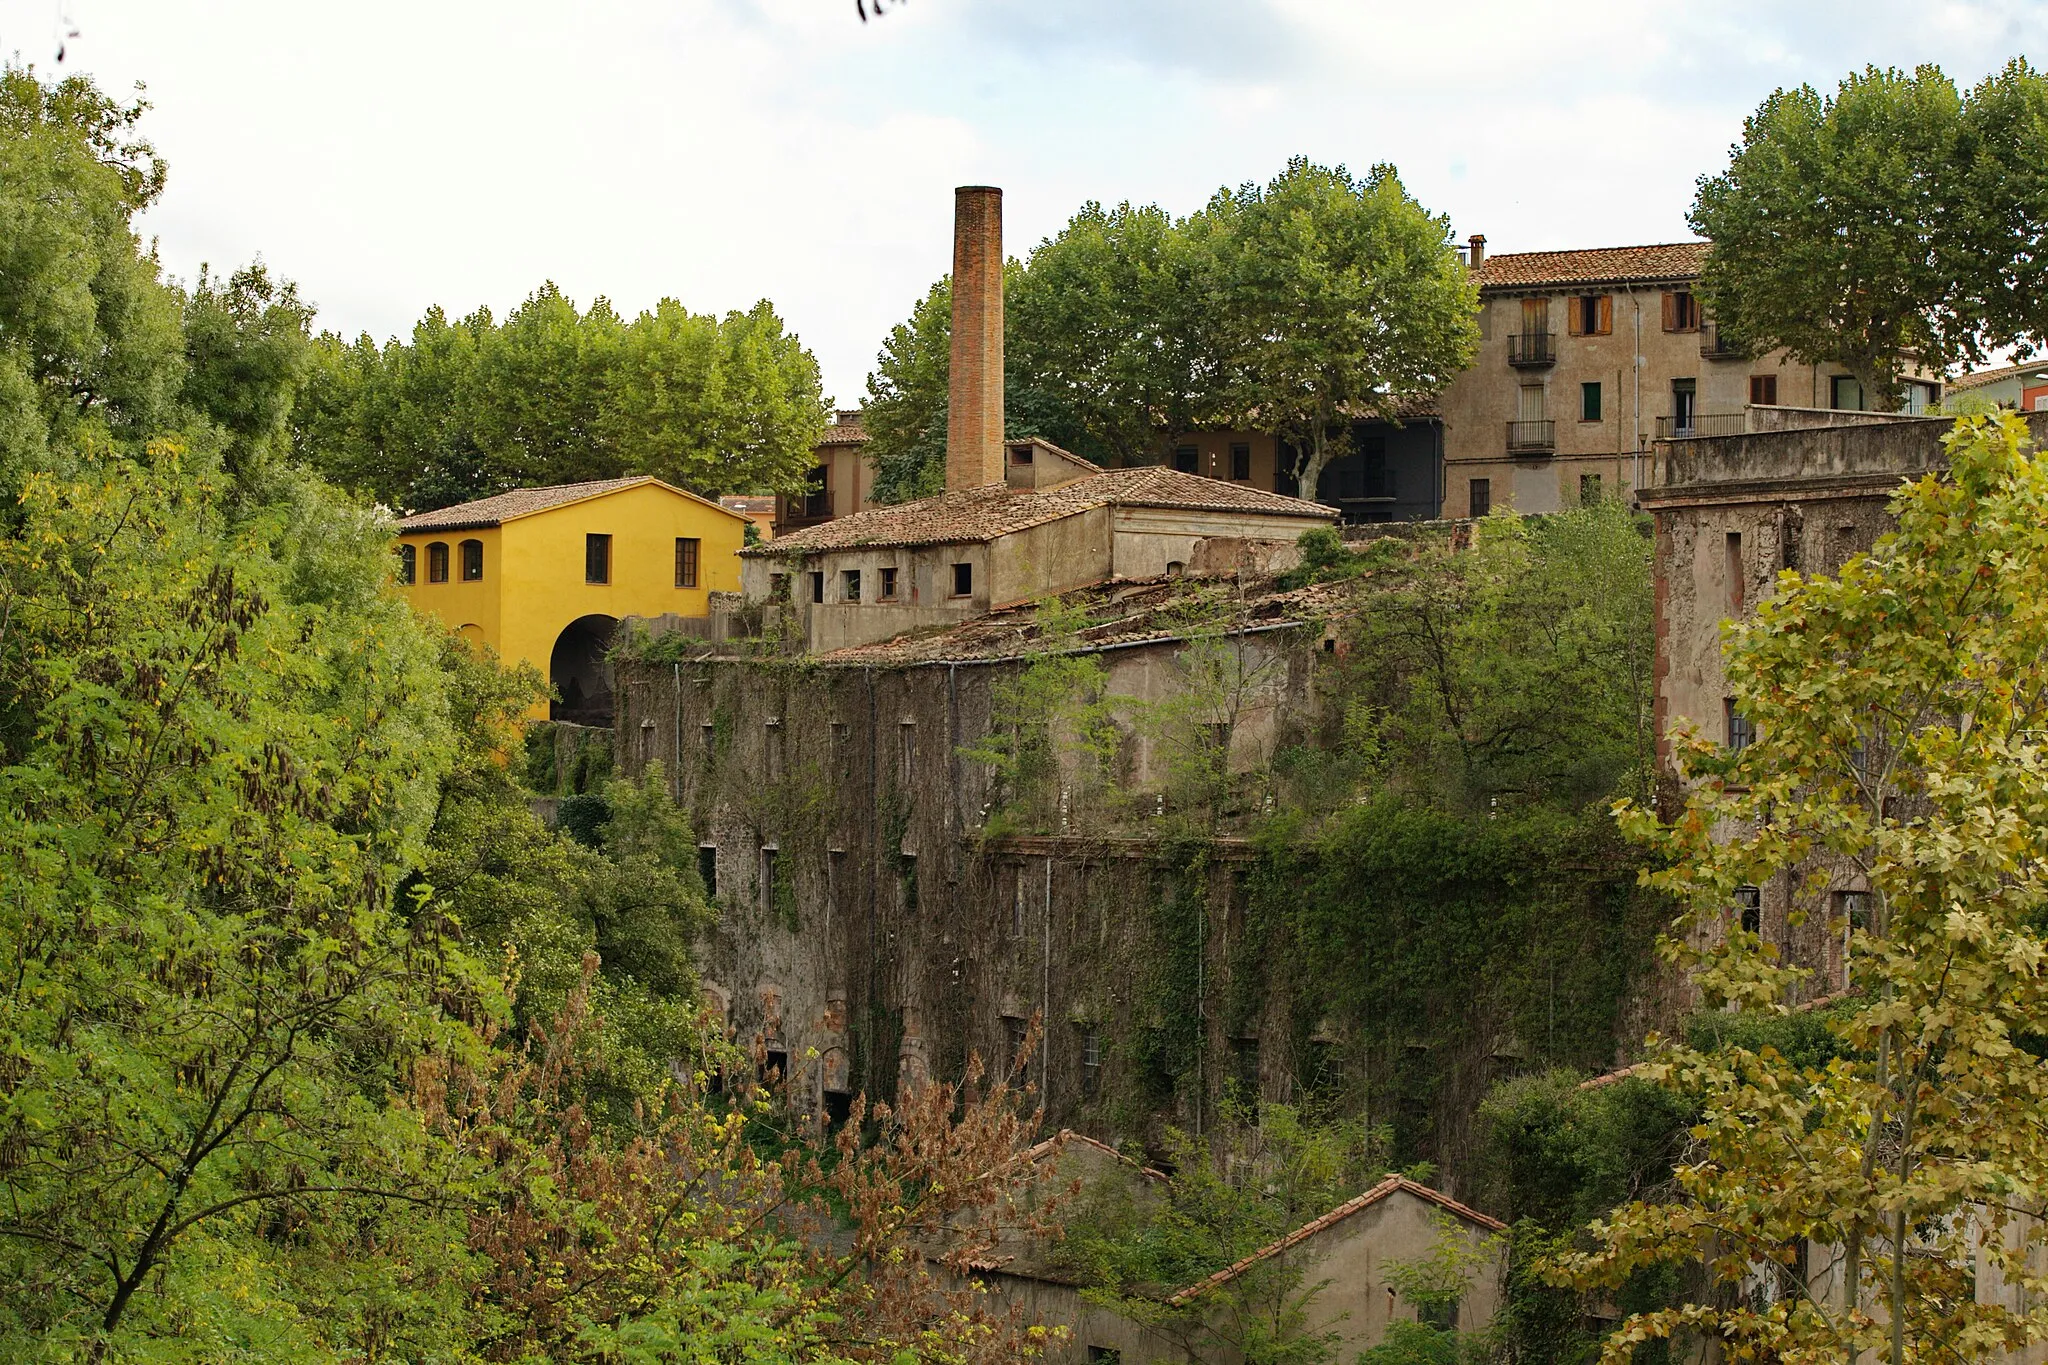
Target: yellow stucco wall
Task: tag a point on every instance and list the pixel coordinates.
(533, 583)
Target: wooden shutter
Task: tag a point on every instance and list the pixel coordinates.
(1574, 316)
(1606, 315)
(1670, 311)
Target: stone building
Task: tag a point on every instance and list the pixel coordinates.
(841, 483)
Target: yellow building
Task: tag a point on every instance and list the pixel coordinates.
(545, 574)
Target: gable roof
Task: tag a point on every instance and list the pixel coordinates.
(1593, 265)
(975, 515)
(1966, 382)
(1391, 1185)
(847, 429)
(524, 502)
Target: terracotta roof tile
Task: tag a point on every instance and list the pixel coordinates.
(974, 515)
(1335, 1216)
(846, 431)
(521, 502)
(1593, 265)
(1965, 382)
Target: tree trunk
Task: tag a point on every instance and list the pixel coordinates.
(1308, 475)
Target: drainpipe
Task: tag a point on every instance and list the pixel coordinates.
(1636, 364)
(676, 777)
(1045, 998)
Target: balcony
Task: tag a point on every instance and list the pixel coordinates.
(1532, 438)
(1532, 350)
(1701, 424)
(1717, 345)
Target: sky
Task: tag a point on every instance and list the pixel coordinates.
(391, 155)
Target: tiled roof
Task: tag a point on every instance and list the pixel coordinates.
(1593, 265)
(1337, 1215)
(846, 430)
(974, 515)
(739, 503)
(522, 502)
(1963, 383)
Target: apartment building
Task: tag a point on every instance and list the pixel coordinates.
(1587, 359)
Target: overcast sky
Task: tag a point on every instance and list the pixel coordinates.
(389, 155)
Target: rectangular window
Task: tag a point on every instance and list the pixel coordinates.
(849, 585)
(710, 734)
(963, 580)
(687, 548)
(1105, 1355)
(906, 752)
(472, 561)
(437, 562)
(597, 559)
(818, 494)
(778, 587)
(772, 745)
(1684, 404)
(1681, 311)
(1482, 496)
(1763, 390)
(1589, 490)
(1741, 733)
(1845, 393)
(1749, 906)
(1240, 462)
(1592, 315)
(887, 587)
(1735, 573)
(1187, 459)
(906, 872)
(1017, 884)
(1091, 1063)
(1915, 398)
(1530, 406)
(1244, 1063)
(1020, 454)
(769, 857)
(707, 867)
(817, 587)
(408, 564)
(1589, 402)
(1854, 908)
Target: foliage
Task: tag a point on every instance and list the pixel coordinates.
(1882, 224)
(1418, 1343)
(1434, 1284)
(551, 395)
(1898, 707)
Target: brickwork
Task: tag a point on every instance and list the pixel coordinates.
(974, 420)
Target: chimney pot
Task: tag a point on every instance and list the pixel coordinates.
(974, 416)
(1477, 251)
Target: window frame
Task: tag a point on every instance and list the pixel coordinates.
(1591, 401)
(437, 561)
(1763, 384)
(472, 554)
(1240, 462)
(1192, 455)
(1478, 497)
(689, 560)
(597, 559)
(849, 585)
(885, 583)
(409, 564)
(963, 573)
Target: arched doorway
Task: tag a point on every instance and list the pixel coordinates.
(581, 674)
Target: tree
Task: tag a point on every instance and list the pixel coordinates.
(1899, 709)
(1339, 299)
(2001, 206)
(248, 353)
(905, 414)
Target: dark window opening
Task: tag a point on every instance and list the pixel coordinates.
(1187, 459)
(710, 733)
(646, 742)
(1749, 905)
(1091, 1063)
(1854, 908)
(906, 872)
(906, 752)
(778, 587)
(849, 585)
(408, 564)
(838, 1108)
(963, 580)
(1241, 462)
(1105, 1355)
(597, 559)
(1441, 1314)
(773, 746)
(770, 864)
(817, 587)
(1845, 393)
(437, 562)
(887, 588)
(1482, 497)
(472, 561)
(1763, 389)
(1589, 402)
(1684, 396)
(1596, 317)
(1016, 901)
(1741, 732)
(1244, 1068)
(1735, 573)
(776, 1069)
(687, 548)
(818, 493)
(1020, 454)
(1681, 311)
(707, 865)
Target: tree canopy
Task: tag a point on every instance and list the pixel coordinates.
(554, 394)
(1293, 308)
(1889, 222)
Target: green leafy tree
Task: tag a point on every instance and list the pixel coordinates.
(248, 354)
(2000, 206)
(1337, 299)
(1899, 708)
(905, 413)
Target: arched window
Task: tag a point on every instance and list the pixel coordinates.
(437, 562)
(472, 561)
(408, 564)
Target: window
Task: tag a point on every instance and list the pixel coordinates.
(710, 733)
(1535, 317)
(597, 559)
(1240, 462)
(1845, 393)
(1589, 402)
(1749, 906)
(1016, 900)
(818, 493)
(770, 857)
(1681, 311)
(1735, 573)
(707, 866)
(1441, 1314)
(842, 748)
(1482, 496)
(1015, 1034)
(1592, 315)
(408, 564)
(963, 580)
(1244, 1068)
(1915, 398)
(1530, 407)
(817, 587)
(1020, 454)
(772, 750)
(1854, 909)
(849, 585)
(646, 742)
(778, 587)
(1091, 1062)
(437, 562)
(1684, 403)
(886, 589)
(906, 890)
(906, 752)
(472, 561)
(1105, 1355)
(1763, 389)
(687, 548)
(1741, 733)
(1589, 490)
(1187, 459)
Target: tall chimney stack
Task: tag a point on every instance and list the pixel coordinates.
(1476, 251)
(974, 415)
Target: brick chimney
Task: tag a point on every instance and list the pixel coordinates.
(1476, 252)
(974, 417)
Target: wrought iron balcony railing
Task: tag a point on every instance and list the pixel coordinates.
(1532, 438)
(1532, 350)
